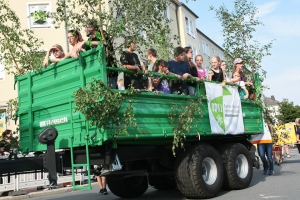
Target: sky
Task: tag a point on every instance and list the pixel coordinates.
(281, 19)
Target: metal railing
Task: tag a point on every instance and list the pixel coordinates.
(34, 180)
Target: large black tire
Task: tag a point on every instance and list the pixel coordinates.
(199, 174)
(127, 187)
(238, 167)
(164, 182)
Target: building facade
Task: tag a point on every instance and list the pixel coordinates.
(272, 105)
(183, 24)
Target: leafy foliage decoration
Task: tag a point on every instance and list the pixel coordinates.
(20, 48)
(182, 118)
(143, 20)
(100, 105)
(239, 27)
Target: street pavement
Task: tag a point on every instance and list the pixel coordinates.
(284, 185)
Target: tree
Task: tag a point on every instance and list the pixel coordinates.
(288, 112)
(143, 20)
(238, 29)
(20, 49)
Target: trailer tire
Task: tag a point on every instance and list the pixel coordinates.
(200, 173)
(130, 187)
(238, 167)
(165, 182)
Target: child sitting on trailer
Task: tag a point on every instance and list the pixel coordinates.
(236, 79)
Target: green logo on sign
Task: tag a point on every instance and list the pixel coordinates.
(216, 107)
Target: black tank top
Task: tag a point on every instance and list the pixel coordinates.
(217, 76)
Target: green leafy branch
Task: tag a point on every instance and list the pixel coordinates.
(182, 117)
(100, 105)
(20, 48)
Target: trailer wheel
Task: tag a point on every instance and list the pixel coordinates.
(200, 173)
(165, 182)
(237, 164)
(130, 187)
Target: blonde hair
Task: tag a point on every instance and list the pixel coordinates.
(297, 121)
(60, 48)
(216, 57)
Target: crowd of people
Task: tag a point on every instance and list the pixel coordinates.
(183, 66)
(272, 150)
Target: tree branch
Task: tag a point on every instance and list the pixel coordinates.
(16, 64)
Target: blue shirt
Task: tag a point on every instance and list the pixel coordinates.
(179, 68)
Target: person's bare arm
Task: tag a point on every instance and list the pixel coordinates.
(186, 75)
(132, 67)
(210, 74)
(249, 83)
(76, 49)
(46, 59)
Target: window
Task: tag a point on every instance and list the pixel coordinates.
(2, 72)
(205, 48)
(189, 26)
(192, 28)
(199, 45)
(213, 50)
(38, 12)
(221, 55)
(167, 13)
(194, 52)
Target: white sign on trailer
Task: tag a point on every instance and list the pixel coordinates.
(225, 110)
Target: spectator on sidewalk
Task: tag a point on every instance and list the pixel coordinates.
(264, 145)
(297, 130)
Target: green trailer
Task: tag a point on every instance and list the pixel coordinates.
(214, 155)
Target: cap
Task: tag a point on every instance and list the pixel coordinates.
(238, 60)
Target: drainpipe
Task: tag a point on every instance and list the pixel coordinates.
(66, 27)
(178, 21)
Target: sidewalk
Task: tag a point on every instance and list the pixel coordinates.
(33, 193)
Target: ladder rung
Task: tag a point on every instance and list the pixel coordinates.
(82, 188)
(80, 165)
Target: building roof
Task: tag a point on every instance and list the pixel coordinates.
(182, 4)
(209, 39)
(271, 101)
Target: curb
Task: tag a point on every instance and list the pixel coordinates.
(36, 194)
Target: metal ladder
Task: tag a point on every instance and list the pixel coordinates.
(87, 164)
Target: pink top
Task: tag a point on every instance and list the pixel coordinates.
(201, 73)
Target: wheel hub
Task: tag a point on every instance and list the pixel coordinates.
(241, 166)
(209, 171)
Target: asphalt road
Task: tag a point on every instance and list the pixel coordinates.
(284, 185)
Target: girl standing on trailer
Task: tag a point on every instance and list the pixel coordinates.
(216, 73)
(188, 59)
(201, 72)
